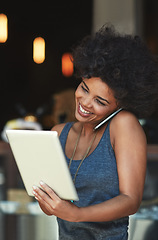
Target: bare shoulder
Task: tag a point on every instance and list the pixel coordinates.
(126, 125)
(124, 121)
(58, 128)
(76, 126)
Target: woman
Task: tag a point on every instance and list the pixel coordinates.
(107, 164)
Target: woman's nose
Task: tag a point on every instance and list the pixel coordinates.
(87, 102)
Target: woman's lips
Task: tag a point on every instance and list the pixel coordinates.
(82, 111)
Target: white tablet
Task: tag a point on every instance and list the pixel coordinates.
(39, 156)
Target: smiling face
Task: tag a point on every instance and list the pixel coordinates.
(94, 101)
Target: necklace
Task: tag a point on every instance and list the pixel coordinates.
(84, 156)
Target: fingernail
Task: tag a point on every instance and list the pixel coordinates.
(41, 183)
(34, 192)
(34, 187)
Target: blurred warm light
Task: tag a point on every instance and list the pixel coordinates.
(30, 118)
(3, 28)
(39, 50)
(67, 65)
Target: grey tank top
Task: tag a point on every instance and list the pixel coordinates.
(96, 182)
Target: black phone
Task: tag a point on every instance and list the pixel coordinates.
(109, 117)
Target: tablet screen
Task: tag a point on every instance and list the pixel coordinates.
(39, 156)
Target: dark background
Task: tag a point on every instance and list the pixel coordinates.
(62, 24)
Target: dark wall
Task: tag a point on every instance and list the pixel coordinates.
(150, 34)
(61, 24)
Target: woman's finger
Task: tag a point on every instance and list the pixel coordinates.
(43, 199)
(48, 190)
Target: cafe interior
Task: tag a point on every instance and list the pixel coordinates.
(37, 92)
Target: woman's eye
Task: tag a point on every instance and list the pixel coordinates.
(99, 102)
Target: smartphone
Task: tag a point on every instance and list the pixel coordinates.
(109, 117)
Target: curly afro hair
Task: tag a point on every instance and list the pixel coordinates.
(125, 64)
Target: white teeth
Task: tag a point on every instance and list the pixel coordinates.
(82, 110)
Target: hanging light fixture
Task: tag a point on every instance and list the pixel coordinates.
(3, 28)
(39, 50)
(67, 65)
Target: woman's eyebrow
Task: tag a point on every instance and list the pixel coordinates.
(85, 85)
(103, 99)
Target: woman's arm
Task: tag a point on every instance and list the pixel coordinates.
(129, 143)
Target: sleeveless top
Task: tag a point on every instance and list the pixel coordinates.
(96, 182)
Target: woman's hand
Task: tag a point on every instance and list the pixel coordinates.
(51, 204)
